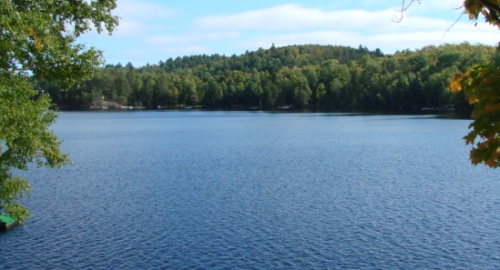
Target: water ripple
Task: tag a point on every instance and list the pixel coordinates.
(198, 190)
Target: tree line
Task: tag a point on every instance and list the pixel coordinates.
(311, 77)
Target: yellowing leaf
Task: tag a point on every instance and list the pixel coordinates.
(456, 83)
(455, 86)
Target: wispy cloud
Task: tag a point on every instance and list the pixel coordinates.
(441, 5)
(295, 24)
(150, 31)
(129, 28)
(188, 50)
(142, 10)
(191, 37)
(293, 17)
(136, 18)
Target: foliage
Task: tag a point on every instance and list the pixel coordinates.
(305, 77)
(481, 85)
(37, 41)
(489, 9)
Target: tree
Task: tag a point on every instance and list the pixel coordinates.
(481, 85)
(38, 41)
(188, 91)
(213, 93)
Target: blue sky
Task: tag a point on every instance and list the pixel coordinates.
(154, 30)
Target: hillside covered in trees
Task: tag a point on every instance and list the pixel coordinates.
(300, 77)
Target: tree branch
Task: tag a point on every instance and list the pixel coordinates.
(404, 7)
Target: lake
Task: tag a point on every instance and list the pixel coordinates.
(256, 190)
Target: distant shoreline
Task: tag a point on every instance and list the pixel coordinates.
(453, 114)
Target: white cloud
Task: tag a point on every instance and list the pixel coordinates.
(294, 24)
(314, 37)
(141, 10)
(128, 28)
(190, 38)
(441, 5)
(136, 17)
(388, 42)
(188, 50)
(159, 34)
(293, 17)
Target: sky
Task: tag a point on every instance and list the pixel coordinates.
(151, 31)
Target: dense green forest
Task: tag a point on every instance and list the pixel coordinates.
(300, 77)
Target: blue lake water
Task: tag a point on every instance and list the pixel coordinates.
(254, 190)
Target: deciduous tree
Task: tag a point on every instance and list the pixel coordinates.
(481, 85)
(38, 40)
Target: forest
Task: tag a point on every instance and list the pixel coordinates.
(299, 77)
